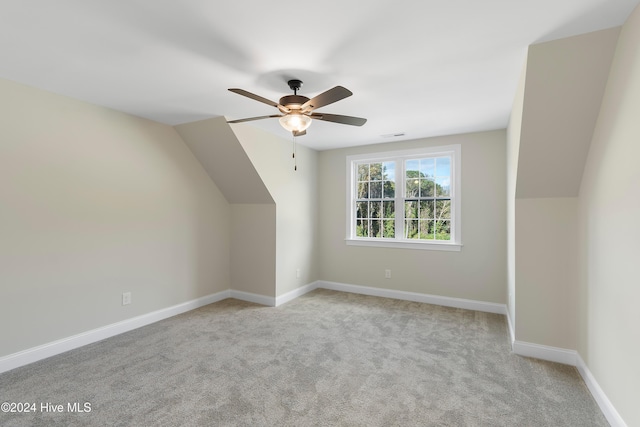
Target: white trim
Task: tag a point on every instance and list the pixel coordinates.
(544, 352)
(405, 244)
(254, 298)
(607, 408)
(398, 156)
(298, 292)
(512, 331)
(488, 307)
(40, 352)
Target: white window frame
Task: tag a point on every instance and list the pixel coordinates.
(455, 244)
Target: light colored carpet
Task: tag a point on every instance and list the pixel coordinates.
(327, 358)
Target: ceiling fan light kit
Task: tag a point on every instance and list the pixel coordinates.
(295, 122)
(298, 111)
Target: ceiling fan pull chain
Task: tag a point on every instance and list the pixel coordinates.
(295, 160)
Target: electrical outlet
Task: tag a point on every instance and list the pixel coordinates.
(126, 298)
(297, 273)
(387, 274)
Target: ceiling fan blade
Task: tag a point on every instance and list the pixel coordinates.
(250, 119)
(336, 118)
(258, 98)
(304, 132)
(326, 98)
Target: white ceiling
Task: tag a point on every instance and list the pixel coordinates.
(421, 67)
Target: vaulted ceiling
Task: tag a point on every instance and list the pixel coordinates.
(416, 68)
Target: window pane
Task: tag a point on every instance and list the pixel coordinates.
(443, 230)
(376, 207)
(363, 172)
(443, 187)
(412, 167)
(389, 189)
(375, 190)
(389, 209)
(426, 168)
(411, 229)
(362, 228)
(389, 228)
(411, 209)
(413, 187)
(426, 188)
(426, 209)
(376, 229)
(375, 171)
(443, 166)
(426, 229)
(443, 209)
(412, 177)
(363, 190)
(389, 171)
(362, 210)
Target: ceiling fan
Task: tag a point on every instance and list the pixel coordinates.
(298, 111)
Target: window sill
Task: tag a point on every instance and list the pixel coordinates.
(429, 246)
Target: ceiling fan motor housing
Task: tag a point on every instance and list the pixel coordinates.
(293, 102)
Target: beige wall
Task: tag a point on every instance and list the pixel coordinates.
(95, 203)
(549, 136)
(295, 196)
(578, 289)
(546, 271)
(253, 243)
(253, 210)
(609, 214)
(478, 272)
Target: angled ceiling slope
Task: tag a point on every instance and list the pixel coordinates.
(565, 82)
(216, 147)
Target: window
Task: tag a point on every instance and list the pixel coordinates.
(408, 199)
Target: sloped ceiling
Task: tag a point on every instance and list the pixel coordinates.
(419, 68)
(565, 82)
(220, 153)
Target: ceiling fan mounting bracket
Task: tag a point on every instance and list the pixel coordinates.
(295, 85)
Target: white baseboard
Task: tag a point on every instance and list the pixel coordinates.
(607, 408)
(43, 351)
(553, 354)
(291, 295)
(488, 307)
(545, 352)
(271, 301)
(254, 298)
(571, 357)
(40, 352)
